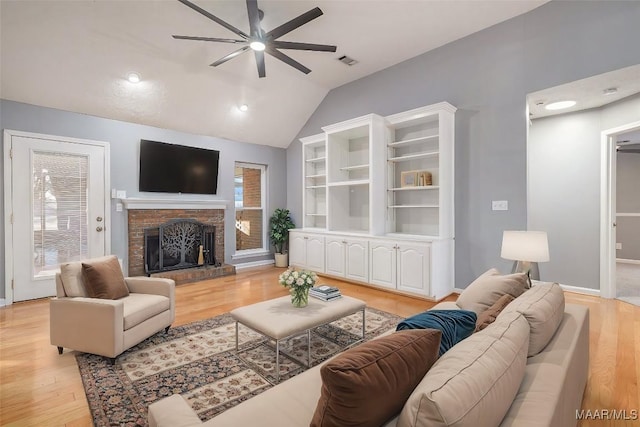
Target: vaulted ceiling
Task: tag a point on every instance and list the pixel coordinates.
(76, 55)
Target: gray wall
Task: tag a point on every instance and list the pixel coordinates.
(564, 154)
(487, 76)
(124, 139)
(628, 201)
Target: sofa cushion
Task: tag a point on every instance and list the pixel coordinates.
(72, 280)
(455, 325)
(368, 384)
(103, 278)
(488, 316)
(474, 383)
(543, 307)
(140, 307)
(483, 292)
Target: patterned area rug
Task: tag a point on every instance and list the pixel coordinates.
(199, 361)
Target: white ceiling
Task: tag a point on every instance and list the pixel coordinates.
(75, 56)
(588, 93)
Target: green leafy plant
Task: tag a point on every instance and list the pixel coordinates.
(279, 226)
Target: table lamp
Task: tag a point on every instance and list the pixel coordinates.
(527, 249)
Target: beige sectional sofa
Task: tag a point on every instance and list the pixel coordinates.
(528, 368)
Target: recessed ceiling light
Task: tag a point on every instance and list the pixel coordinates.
(133, 77)
(610, 91)
(244, 108)
(560, 105)
(257, 45)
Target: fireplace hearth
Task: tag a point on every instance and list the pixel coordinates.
(175, 245)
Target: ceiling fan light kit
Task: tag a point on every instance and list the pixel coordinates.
(260, 41)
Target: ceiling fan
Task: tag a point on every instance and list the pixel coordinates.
(260, 41)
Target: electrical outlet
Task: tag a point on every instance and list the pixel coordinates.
(500, 205)
(618, 246)
(118, 207)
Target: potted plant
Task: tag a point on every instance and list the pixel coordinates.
(279, 226)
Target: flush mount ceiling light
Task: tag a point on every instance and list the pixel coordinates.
(133, 77)
(244, 108)
(260, 41)
(560, 105)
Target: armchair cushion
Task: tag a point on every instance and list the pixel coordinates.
(103, 278)
(140, 307)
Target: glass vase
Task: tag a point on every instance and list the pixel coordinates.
(299, 296)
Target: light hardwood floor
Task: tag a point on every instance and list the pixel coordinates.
(40, 388)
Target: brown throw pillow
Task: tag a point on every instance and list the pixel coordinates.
(369, 384)
(104, 279)
(488, 316)
(483, 292)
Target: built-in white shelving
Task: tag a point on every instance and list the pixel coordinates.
(419, 188)
(416, 156)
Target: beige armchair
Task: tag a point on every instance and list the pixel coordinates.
(108, 327)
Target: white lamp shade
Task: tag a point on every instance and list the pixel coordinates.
(529, 246)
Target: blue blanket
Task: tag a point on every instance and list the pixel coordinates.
(455, 325)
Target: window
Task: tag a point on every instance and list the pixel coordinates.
(249, 195)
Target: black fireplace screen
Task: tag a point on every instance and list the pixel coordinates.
(176, 245)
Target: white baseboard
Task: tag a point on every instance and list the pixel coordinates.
(245, 265)
(628, 261)
(579, 290)
(3, 302)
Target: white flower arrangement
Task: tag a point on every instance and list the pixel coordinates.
(298, 279)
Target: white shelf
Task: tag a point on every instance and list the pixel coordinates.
(311, 187)
(353, 168)
(322, 175)
(348, 183)
(413, 206)
(316, 214)
(414, 156)
(412, 141)
(417, 187)
(317, 159)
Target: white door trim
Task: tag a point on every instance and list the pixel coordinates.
(608, 208)
(8, 198)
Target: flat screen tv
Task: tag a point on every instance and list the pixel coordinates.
(171, 168)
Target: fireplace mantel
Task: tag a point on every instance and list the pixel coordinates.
(149, 203)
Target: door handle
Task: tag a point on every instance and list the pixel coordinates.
(99, 229)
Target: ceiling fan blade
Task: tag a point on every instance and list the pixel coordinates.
(260, 63)
(230, 56)
(287, 59)
(303, 46)
(208, 39)
(254, 18)
(287, 27)
(214, 18)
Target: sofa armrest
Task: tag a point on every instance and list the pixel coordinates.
(172, 411)
(151, 285)
(91, 325)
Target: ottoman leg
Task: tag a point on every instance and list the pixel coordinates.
(277, 361)
(236, 336)
(308, 348)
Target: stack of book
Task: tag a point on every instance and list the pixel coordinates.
(325, 293)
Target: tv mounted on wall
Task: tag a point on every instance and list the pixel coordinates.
(171, 168)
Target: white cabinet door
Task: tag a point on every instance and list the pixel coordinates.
(315, 253)
(357, 259)
(413, 268)
(335, 249)
(382, 263)
(297, 249)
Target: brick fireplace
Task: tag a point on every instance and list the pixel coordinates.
(148, 213)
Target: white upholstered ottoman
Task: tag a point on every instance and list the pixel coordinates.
(279, 319)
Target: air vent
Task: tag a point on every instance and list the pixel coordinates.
(346, 60)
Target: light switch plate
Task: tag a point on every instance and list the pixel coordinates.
(121, 194)
(113, 193)
(619, 246)
(500, 205)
